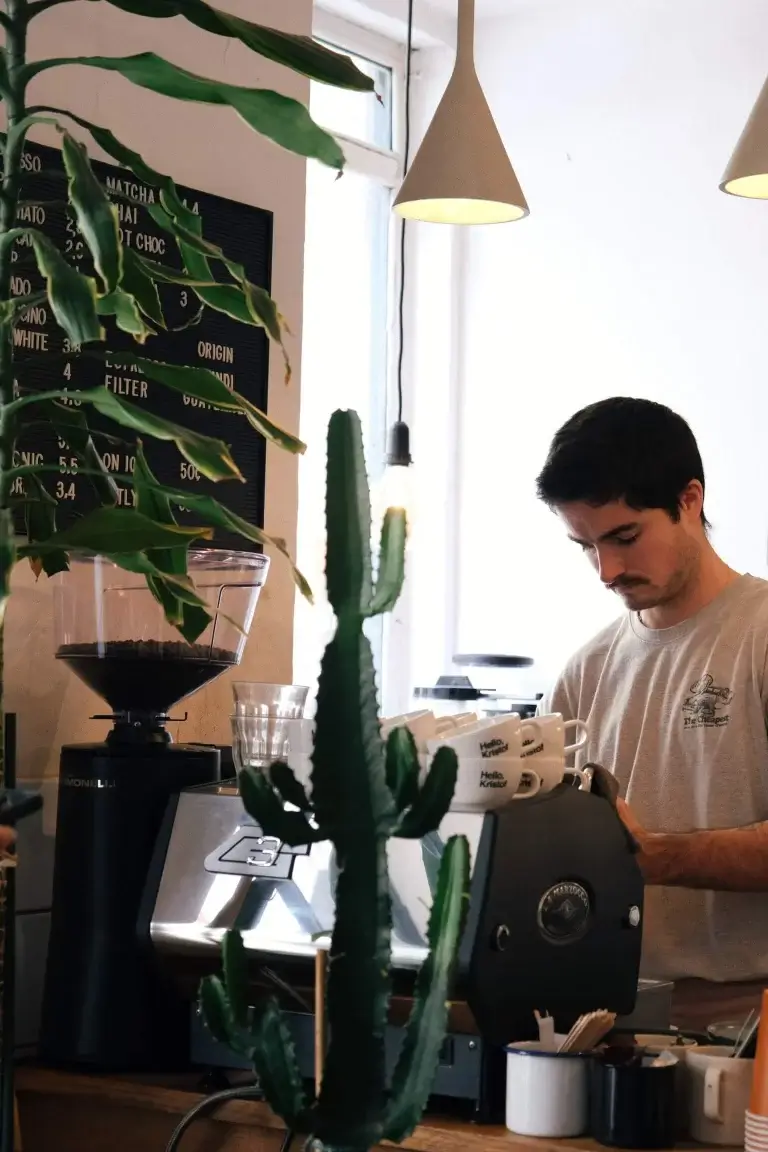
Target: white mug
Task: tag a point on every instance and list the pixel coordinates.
(422, 725)
(547, 1093)
(449, 724)
(487, 740)
(717, 1094)
(483, 784)
(551, 770)
(550, 736)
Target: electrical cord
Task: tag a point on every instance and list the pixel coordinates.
(214, 1101)
(406, 156)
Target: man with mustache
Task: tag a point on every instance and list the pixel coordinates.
(676, 696)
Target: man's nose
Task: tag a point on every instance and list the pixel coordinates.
(609, 565)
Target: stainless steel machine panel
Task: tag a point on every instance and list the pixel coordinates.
(215, 852)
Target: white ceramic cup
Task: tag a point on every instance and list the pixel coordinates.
(449, 724)
(552, 732)
(422, 725)
(547, 1093)
(551, 770)
(717, 1095)
(487, 740)
(485, 784)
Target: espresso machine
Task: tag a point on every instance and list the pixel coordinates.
(105, 1005)
(555, 924)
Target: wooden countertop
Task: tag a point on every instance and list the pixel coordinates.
(69, 1112)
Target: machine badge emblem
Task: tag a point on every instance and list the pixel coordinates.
(564, 912)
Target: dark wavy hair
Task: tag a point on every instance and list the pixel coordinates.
(622, 449)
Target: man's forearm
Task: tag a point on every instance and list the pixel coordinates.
(724, 860)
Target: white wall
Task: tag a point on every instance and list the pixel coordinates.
(632, 275)
(210, 149)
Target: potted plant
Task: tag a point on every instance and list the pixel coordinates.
(125, 290)
(362, 793)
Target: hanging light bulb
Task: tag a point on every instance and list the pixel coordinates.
(396, 488)
(461, 174)
(747, 171)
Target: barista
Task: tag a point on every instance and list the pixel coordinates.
(676, 696)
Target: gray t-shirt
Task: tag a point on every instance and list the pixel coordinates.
(679, 716)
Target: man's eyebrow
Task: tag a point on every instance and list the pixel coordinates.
(619, 530)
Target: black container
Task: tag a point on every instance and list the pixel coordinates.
(631, 1103)
(105, 1004)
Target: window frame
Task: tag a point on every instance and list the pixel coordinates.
(384, 167)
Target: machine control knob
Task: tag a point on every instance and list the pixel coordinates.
(634, 916)
(500, 937)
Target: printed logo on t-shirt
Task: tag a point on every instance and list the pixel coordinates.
(704, 707)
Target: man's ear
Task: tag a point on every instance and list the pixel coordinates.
(692, 500)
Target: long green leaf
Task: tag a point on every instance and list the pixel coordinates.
(190, 619)
(391, 573)
(206, 386)
(417, 1064)
(139, 563)
(15, 308)
(138, 284)
(71, 426)
(244, 301)
(114, 148)
(110, 530)
(212, 457)
(7, 557)
(299, 53)
(280, 118)
(96, 216)
(218, 516)
(40, 516)
(257, 302)
(126, 313)
(72, 295)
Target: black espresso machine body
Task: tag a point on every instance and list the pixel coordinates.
(555, 921)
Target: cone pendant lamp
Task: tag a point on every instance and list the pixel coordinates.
(461, 174)
(747, 171)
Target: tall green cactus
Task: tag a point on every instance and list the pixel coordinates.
(363, 792)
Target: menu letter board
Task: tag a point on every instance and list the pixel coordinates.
(236, 352)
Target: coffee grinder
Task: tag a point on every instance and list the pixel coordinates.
(105, 1005)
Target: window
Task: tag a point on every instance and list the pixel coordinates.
(348, 271)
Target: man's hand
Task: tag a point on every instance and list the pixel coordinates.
(645, 841)
(718, 859)
(7, 839)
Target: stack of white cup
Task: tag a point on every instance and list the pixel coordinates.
(500, 757)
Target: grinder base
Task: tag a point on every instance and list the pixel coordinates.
(105, 1005)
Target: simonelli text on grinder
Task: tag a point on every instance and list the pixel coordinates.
(105, 1005)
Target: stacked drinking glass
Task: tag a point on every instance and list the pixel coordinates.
(268, 725)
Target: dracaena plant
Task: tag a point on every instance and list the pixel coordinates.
(146, 537)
